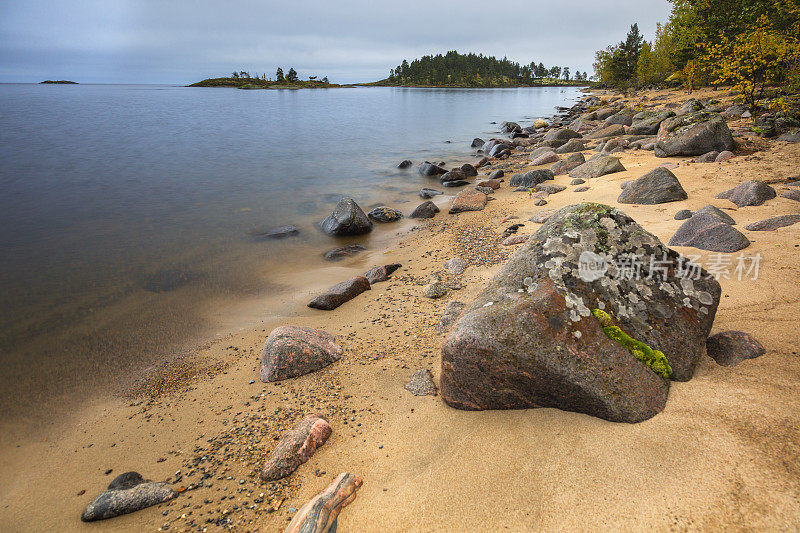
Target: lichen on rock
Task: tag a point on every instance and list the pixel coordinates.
(654, 359)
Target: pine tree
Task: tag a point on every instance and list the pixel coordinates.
(291, 77)
(279, 76)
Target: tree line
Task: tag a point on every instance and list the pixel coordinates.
(289, 77)
(475, 70)
(751, 45)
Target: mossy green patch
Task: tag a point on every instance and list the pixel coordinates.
(654, 359)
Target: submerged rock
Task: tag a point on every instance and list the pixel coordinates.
(427, 193)
(127, 493)
(340, 293)
(343, 251)
(421, 383)
(347, 219)
(752, 192)
(729, 348)
(405, 164)
(530, 338)
(276, 233)
(292, 351)
(296, 447)
(320, 514)
(658, 186)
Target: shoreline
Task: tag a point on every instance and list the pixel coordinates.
(415, 451)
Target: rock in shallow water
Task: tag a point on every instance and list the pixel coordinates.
(340, 293)
(427, 193)
(292, 351)
(296, 447)
(347, 219)
(530, 340)
(384, 214)
(343, 251)
(729, 348)
(127, 493)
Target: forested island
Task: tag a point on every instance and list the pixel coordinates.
(454, 69)
(58, 82)
(245, 80)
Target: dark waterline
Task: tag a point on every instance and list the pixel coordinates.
(124, 207)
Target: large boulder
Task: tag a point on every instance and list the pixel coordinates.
(468, 200)
(340, 293)
(566, 324)
(649, 123)
(531, 178)
(749, 193)
(292, 351)
(709, 132)
(347, 219)
(127, 493)
(709, 232)
(658, 186)
(597, 166)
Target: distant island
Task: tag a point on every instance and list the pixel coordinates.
(59, 82)
(245, 80)
(476, 70)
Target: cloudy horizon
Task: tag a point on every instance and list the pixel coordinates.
(127, 41)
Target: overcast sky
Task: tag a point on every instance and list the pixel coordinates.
(181, 41)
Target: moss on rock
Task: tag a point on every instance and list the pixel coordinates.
(654, 359)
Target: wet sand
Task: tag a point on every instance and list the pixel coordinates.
(724, 453)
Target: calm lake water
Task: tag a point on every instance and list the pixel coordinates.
(125, 209)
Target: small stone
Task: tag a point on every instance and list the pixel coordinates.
(421, 383)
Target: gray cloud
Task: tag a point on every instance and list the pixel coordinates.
(349, 41)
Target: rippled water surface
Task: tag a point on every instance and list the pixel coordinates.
(125, 209)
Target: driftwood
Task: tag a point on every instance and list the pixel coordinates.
(320, 513)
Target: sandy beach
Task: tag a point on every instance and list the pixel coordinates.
(723, 454)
